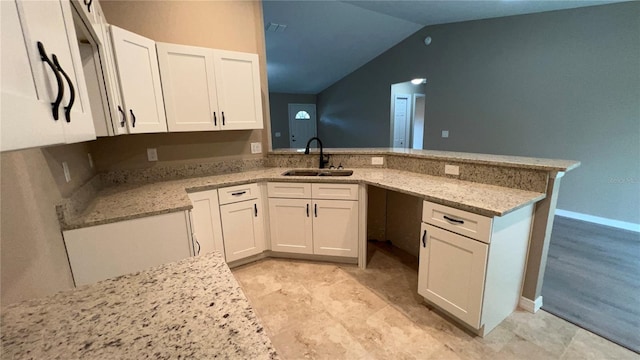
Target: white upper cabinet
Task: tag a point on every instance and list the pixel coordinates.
(207, 89)
(44, 94)
(188, 84)
(238, 84)
(139, 77)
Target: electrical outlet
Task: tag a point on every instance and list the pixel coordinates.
(90, 160)
(377, 160)
(256, 148)
(152, 154)
(67, 174)
(445, 133)
(452, 170)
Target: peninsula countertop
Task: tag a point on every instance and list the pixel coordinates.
(130, 201)
(193, 308)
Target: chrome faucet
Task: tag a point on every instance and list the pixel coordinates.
(323, 160)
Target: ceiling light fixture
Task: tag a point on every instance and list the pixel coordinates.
(418, 81)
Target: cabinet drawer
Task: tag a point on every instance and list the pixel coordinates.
(459, 221)
(289, 190)
(237, 193)
(335, 191)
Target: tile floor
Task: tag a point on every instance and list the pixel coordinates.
(328, 311)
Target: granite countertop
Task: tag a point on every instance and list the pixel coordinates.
(489, 159)
(124, 202)
(193, 308)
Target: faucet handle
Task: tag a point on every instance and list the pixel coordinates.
(331, 166)
(340, 166)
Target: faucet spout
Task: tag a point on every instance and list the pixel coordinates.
(322, 161)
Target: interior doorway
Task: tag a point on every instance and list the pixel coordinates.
(407, 121)
(302, 124)
(401, 120)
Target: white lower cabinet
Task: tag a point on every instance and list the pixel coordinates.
(291, 225)
(242, 229)
(205, 219)
(476, 278)
(335, 228)
(453, 275)
(105, 251)
(303, 223)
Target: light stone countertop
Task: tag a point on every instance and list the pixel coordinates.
(489, 159)
(190, 309)
(124, 202)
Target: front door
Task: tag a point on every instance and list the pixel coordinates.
(302, 124)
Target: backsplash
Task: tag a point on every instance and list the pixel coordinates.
(164, 172)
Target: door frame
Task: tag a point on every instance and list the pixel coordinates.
(290, 119)
(416, 96)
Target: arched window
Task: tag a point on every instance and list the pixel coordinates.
(303, 115)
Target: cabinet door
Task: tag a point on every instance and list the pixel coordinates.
(76, 108)
(291, 225)
(31, 85)
(451, 273)
(206, 222)
(116, 119)
(242, 229)
(188, 85)
(335, 228)
(238, 86)
(137, 64)
(105, 251)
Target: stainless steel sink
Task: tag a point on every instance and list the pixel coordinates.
(323, 172)
(335, 173)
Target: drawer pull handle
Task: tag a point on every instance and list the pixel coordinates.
(315, 209)
(238, 193)
(197, 243)
(255, 209)
(215, 119)
(307, 210)
(424, 239)
(223, 119)
(455, 221)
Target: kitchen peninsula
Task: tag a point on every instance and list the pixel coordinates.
(490, 186)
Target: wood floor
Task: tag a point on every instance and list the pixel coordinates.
(592, 279)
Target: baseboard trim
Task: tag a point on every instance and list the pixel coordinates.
(530, 305)
(599, 220)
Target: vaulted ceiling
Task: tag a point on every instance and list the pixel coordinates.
(326, 40)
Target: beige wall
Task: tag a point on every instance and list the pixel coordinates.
(229, 25)
(33, 260)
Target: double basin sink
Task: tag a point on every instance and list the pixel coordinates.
(318, 172)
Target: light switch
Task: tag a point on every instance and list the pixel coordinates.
(256, 148)
(445, 133)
